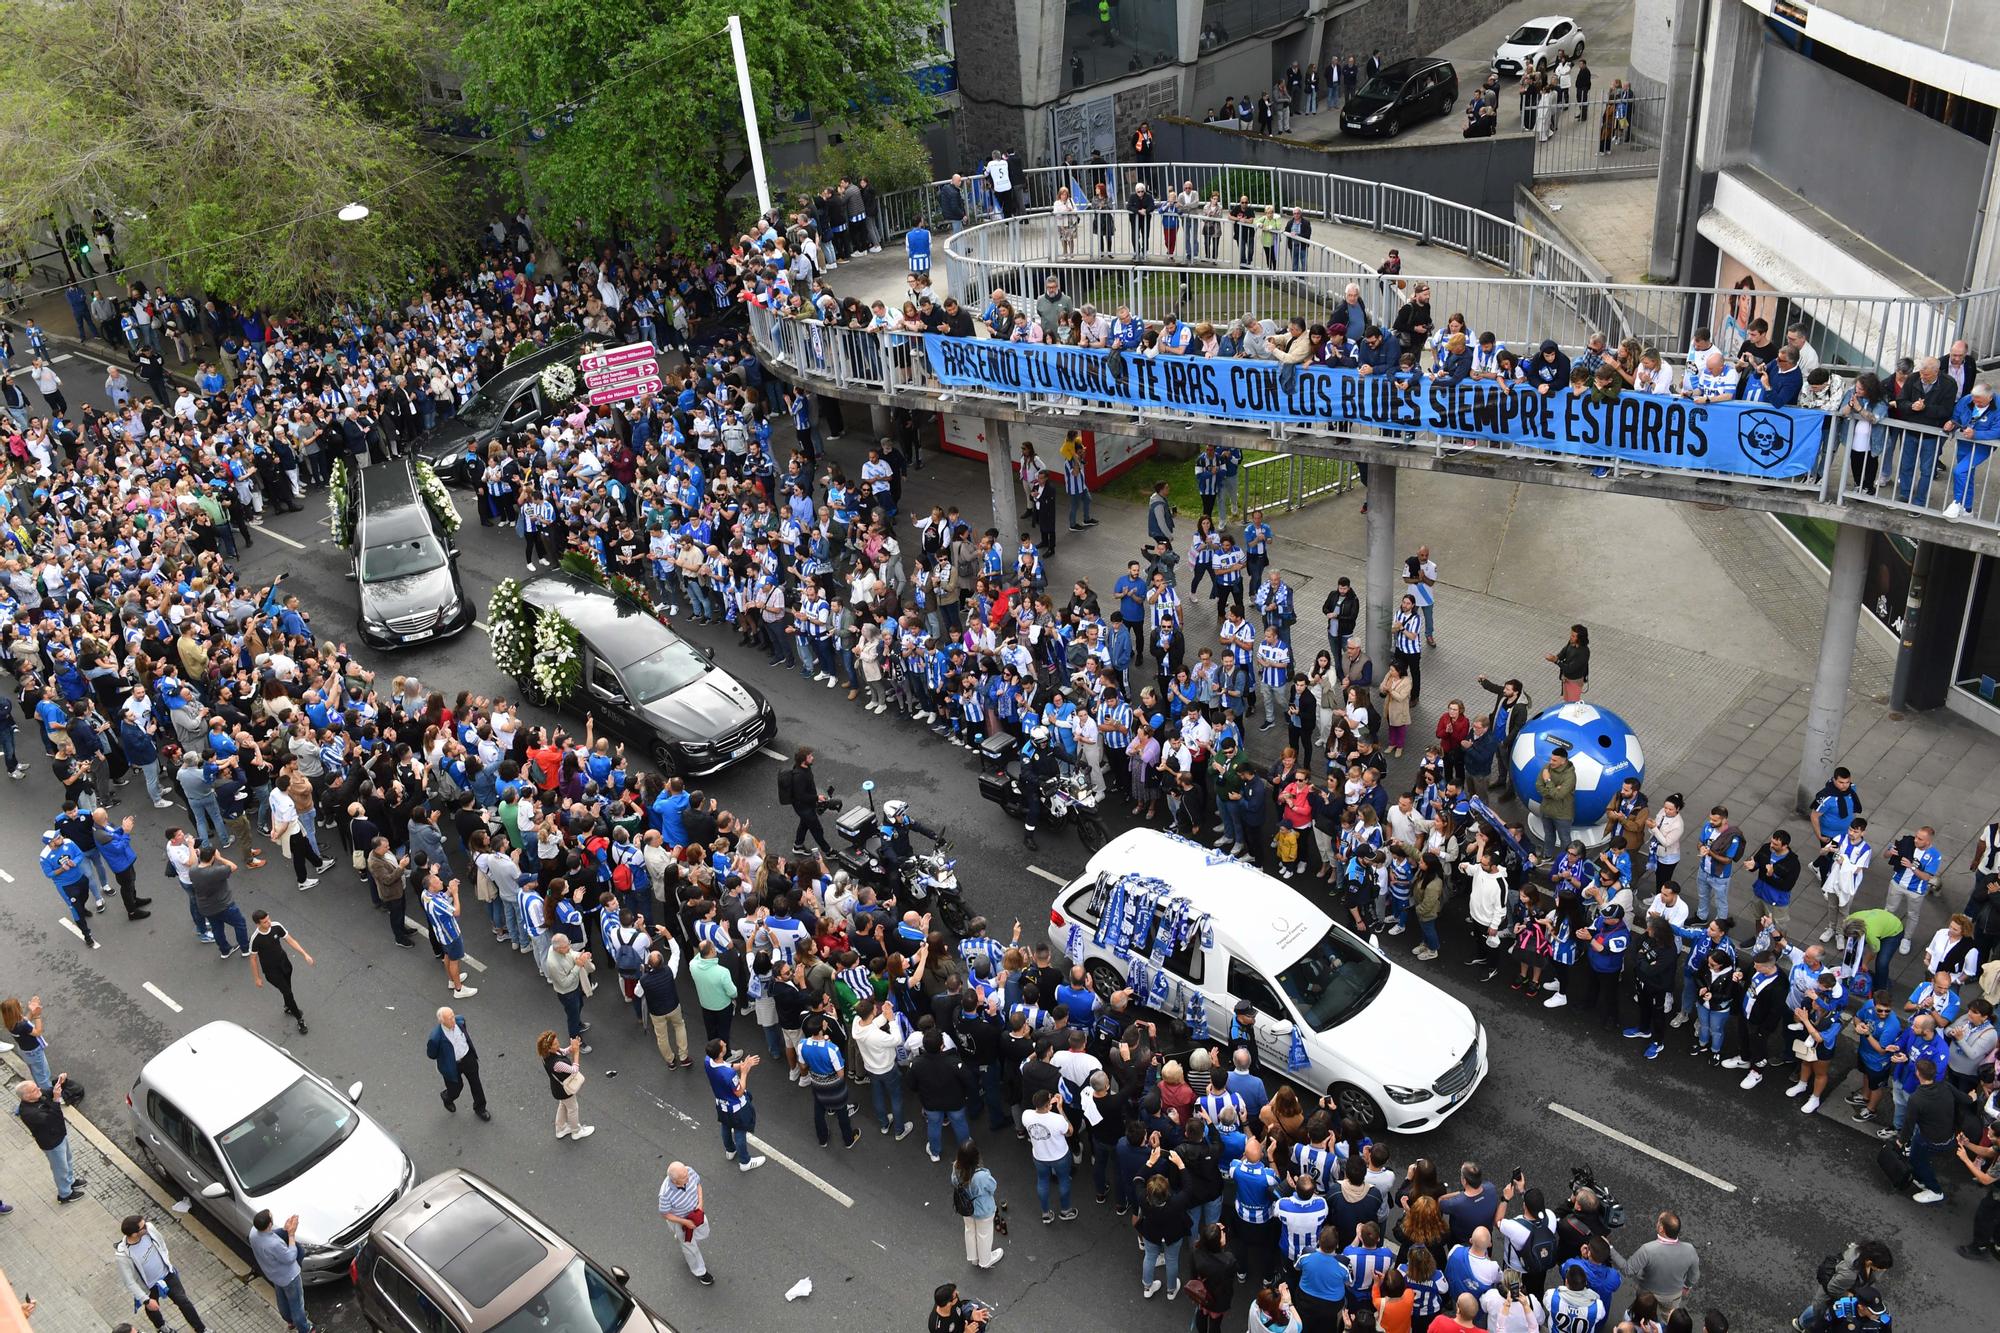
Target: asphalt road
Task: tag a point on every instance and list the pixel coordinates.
(873, 1227)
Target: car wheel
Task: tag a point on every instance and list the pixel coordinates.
(1357, 1106)
(1104, 979)
(1578, 53)
(663, 758)
(1393, 126)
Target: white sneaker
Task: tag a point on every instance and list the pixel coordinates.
(1826, 935)
(465, 992)
(1795, 1089)
(563, 1132)
(585, 1132)
(1808, 1106)
(1680, 1021)
(792, 1075)
(161, 804)
(1751, 1080)
(997, 1256)
(1735, 1062)
(1556, 1001)
(1954, 511)
(1152, 1289)
(1928, 1196)
(1905, 946)
(1397, 929)
(750, 1165)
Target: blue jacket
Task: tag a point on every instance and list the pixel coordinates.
(116, 845)
(1382, 359)
(438, 1049)
(138, 745)
(1985, 425)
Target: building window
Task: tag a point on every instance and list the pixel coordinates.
(1972, 119)
(1225, 21)
(1108, 39)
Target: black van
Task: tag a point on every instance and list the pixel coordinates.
(404, 562)
(509, 401)
(1402, 94)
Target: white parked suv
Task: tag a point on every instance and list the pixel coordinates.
(1393, 1050)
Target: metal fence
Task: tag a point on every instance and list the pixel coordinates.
(1581, 139)
(1547, 299)
(1281, 483)
(1869, 468)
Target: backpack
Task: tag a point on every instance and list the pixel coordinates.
(1538, 1251)
(443, 785)
(1197, 1291)
(532, 773)
(626, 955)
(961, 1199)
(785, 786)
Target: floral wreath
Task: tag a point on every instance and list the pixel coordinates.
(437, 499)
(559, 382)
(336, 501)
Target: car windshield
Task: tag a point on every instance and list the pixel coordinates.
(671, 668)
(397, 560)
(1529, 36)
(580, 1300)
(1334, 979)
(1382, 88)
(287, 1136)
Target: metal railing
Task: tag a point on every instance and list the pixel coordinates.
(1281, 483)
(1579, 140)
(1916, 471)
(1848, 333)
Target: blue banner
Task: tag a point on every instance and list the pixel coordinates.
(1748, 439)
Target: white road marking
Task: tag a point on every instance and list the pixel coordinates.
(1640, 1146)
(277, 536)
(4, 876)
(482, 627)
(71, 927)
(422, 929)
(770, 753)
(162, 997)
(1049, 875)
(799, 1171)
(58, 360)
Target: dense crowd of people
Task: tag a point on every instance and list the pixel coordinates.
(136, 648)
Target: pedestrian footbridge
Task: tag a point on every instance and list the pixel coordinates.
(1503, 279)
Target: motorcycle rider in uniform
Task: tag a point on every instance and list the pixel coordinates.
(1038, 765)
(894, 833)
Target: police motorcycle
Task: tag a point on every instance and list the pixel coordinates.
(876, 850)
(1037, 788)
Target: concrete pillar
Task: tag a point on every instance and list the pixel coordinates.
(1676, 131)
(1836, 661)
(1000, 481)
(1383, 592)
(881, 422)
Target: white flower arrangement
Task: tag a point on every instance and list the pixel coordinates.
(558, 670)
(437, 499)
(559, 382)
(336, 501)
(513, 634)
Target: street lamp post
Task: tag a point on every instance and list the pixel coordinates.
(749, 114)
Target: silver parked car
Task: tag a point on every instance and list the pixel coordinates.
(240, 1125)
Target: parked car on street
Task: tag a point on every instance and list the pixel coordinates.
(239, 1125)
(458, 1256)
(1549, 38)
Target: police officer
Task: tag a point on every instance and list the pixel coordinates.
(1038, 765)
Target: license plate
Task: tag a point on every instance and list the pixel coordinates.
(420, 637)
(743, 749)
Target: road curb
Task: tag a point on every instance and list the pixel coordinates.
(214, 1244)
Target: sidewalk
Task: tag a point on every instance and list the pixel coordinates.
(61, 1254)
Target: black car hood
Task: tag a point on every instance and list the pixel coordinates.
(1362, 105)
(390, 599)
(705, 709)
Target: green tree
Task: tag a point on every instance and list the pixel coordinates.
(890, 155)
(223, 135)
(643, 119)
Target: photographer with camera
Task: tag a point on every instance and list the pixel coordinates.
(952, 1313)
